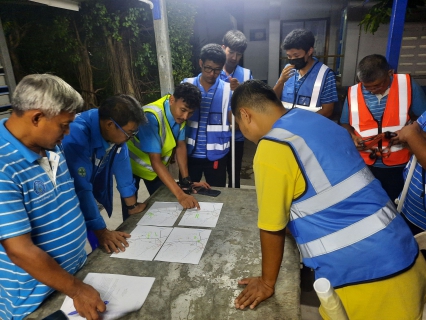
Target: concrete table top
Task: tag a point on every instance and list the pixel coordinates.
(206, 290)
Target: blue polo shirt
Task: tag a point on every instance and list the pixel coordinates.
(31, 203)
(92, 167)
(377, 106)
(148, 134)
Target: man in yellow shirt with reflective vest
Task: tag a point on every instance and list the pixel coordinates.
(156, 143)
(309, 177)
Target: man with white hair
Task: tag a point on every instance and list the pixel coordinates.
(42, 229)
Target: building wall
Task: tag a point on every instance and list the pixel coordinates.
(360, 44)
(262, 57)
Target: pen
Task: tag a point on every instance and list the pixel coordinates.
(75, 311)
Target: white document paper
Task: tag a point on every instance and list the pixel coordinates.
(124, 294)
(184, 245)
(161, 214)
(144, 243)
(207, 216)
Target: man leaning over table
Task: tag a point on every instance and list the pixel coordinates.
(346, 227)
(96, 150)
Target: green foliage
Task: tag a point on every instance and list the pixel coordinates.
(181, 18)
(54, 38)
(381, 12)
(378, 14)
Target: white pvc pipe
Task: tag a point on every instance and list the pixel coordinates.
(151, 5)
(329, 299)
(233, 151)
(401, 200)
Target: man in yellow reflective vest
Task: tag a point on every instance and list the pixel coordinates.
(156, 143)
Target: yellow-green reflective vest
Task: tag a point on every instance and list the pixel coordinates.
(139, 160)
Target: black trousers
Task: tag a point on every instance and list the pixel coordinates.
(391, 179)
(214, 171)
(239, 150)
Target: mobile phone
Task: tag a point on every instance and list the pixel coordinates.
(57, 315)
(208, 192)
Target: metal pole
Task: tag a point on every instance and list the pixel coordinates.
(6, 63)
(161, 29)
(396, 29)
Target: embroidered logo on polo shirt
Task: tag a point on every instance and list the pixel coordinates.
(39, 187)
(81, 172)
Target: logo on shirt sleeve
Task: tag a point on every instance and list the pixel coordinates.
(39, 187)
(81, 172)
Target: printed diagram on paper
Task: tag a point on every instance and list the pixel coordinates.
(124, 294)
(144, 243)
(207, 216)
(184, 245)
(161, 214)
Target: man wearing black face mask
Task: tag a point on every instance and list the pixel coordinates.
(305, 82)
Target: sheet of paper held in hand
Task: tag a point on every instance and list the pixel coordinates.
(144, 243)
(161, 214)
(184, 245)
(207, 216)
(124, 294)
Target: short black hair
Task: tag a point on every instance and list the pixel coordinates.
(298, 39)
(189, 93)
(122, 109)
(235, 40)
(213, 52)
(372, 68)
(253, 94)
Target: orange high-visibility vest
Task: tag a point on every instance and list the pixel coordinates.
(394, 117)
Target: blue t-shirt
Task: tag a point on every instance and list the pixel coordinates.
(32, 203)
(148, 134)
(413, 207)
(377, 107)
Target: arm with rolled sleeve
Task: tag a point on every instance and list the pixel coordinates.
(78, 154)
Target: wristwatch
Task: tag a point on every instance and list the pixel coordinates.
(186, 185)
(132, 206)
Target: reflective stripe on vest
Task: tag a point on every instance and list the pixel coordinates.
(350, 235)
(140, 161)
(246, 74)
(362, 120)
(327, 196)
(316, 91)
(395, 116)
(317, 88)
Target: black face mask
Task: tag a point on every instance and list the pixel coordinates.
(298, 63)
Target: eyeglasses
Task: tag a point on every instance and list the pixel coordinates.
(134, 133)
(209, 69)
(377, 85)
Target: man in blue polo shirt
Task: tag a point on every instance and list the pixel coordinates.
(305, 82)
(207, 131)
(96, 150)
(234, 44)
(164, 135)
(42, 230)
